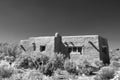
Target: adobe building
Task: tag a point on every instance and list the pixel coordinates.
(88, 47)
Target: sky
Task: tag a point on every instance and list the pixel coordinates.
(21, 19)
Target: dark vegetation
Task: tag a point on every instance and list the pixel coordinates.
(16, 64)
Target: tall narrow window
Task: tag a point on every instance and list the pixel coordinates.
(34, 46)
(69, 49)
(80, 50)
(74, 49)
(42, 48)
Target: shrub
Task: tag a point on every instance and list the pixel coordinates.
(85, 68)
(19, 74)
(117, 76)
(27, 75)
(3, 50)
(5, 70)
(14, 50)
(33, 75)
(70, 67)
(48, 69)
(105, 73)
(9, 59)
(11, 50)
(4, 47)
(115, 64)
(42, 60)
(54, 63)
(85, 63)
(31, 60)
(115, 58)
(99, 64)
(16, 77)
(61, 74)
(58, 61)
(26, 63)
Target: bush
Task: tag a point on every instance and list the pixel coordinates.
(27, 75)
(31, 60)
(85, 68)
(9, 59)
(56, 62)
(85, 63)
(115, 58)
(33, 75)
(117, 77)
(70, 67)
(42, 60)
(61, 74)
(48, 69)
(99, 64)
(105, 73)
(11, 50)
(115, 64)
(5, 70)
(14, 50)
(26, 63)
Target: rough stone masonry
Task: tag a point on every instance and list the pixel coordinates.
(90, 47)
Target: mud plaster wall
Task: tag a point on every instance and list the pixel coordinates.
(104, 56)
(89, 52)
(59, 46)
(27, 44)
(48, 42)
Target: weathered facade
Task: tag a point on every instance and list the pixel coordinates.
(75, 47)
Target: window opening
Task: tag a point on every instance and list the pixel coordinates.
(74, 49)
(34, 46)
(69, 49)
(80, 50)
(42, 48)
